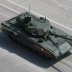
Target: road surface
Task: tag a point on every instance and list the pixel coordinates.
(14, 58)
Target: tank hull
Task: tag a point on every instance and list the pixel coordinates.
(36, 48)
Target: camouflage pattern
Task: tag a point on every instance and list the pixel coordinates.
(38, 34)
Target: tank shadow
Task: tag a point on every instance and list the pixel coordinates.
(8, 44)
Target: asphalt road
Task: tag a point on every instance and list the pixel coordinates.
(14, 58)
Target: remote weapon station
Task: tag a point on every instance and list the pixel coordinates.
(38, 34)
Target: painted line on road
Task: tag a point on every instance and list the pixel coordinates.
(9, 8)
(37, 14)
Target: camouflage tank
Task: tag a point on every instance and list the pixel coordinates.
(38, 34)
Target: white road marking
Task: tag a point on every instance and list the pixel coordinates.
(40, 15)
(9, 8)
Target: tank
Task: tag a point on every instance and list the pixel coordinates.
(38, 35)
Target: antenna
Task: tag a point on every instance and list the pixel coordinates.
(45, 18)
(29, 7)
